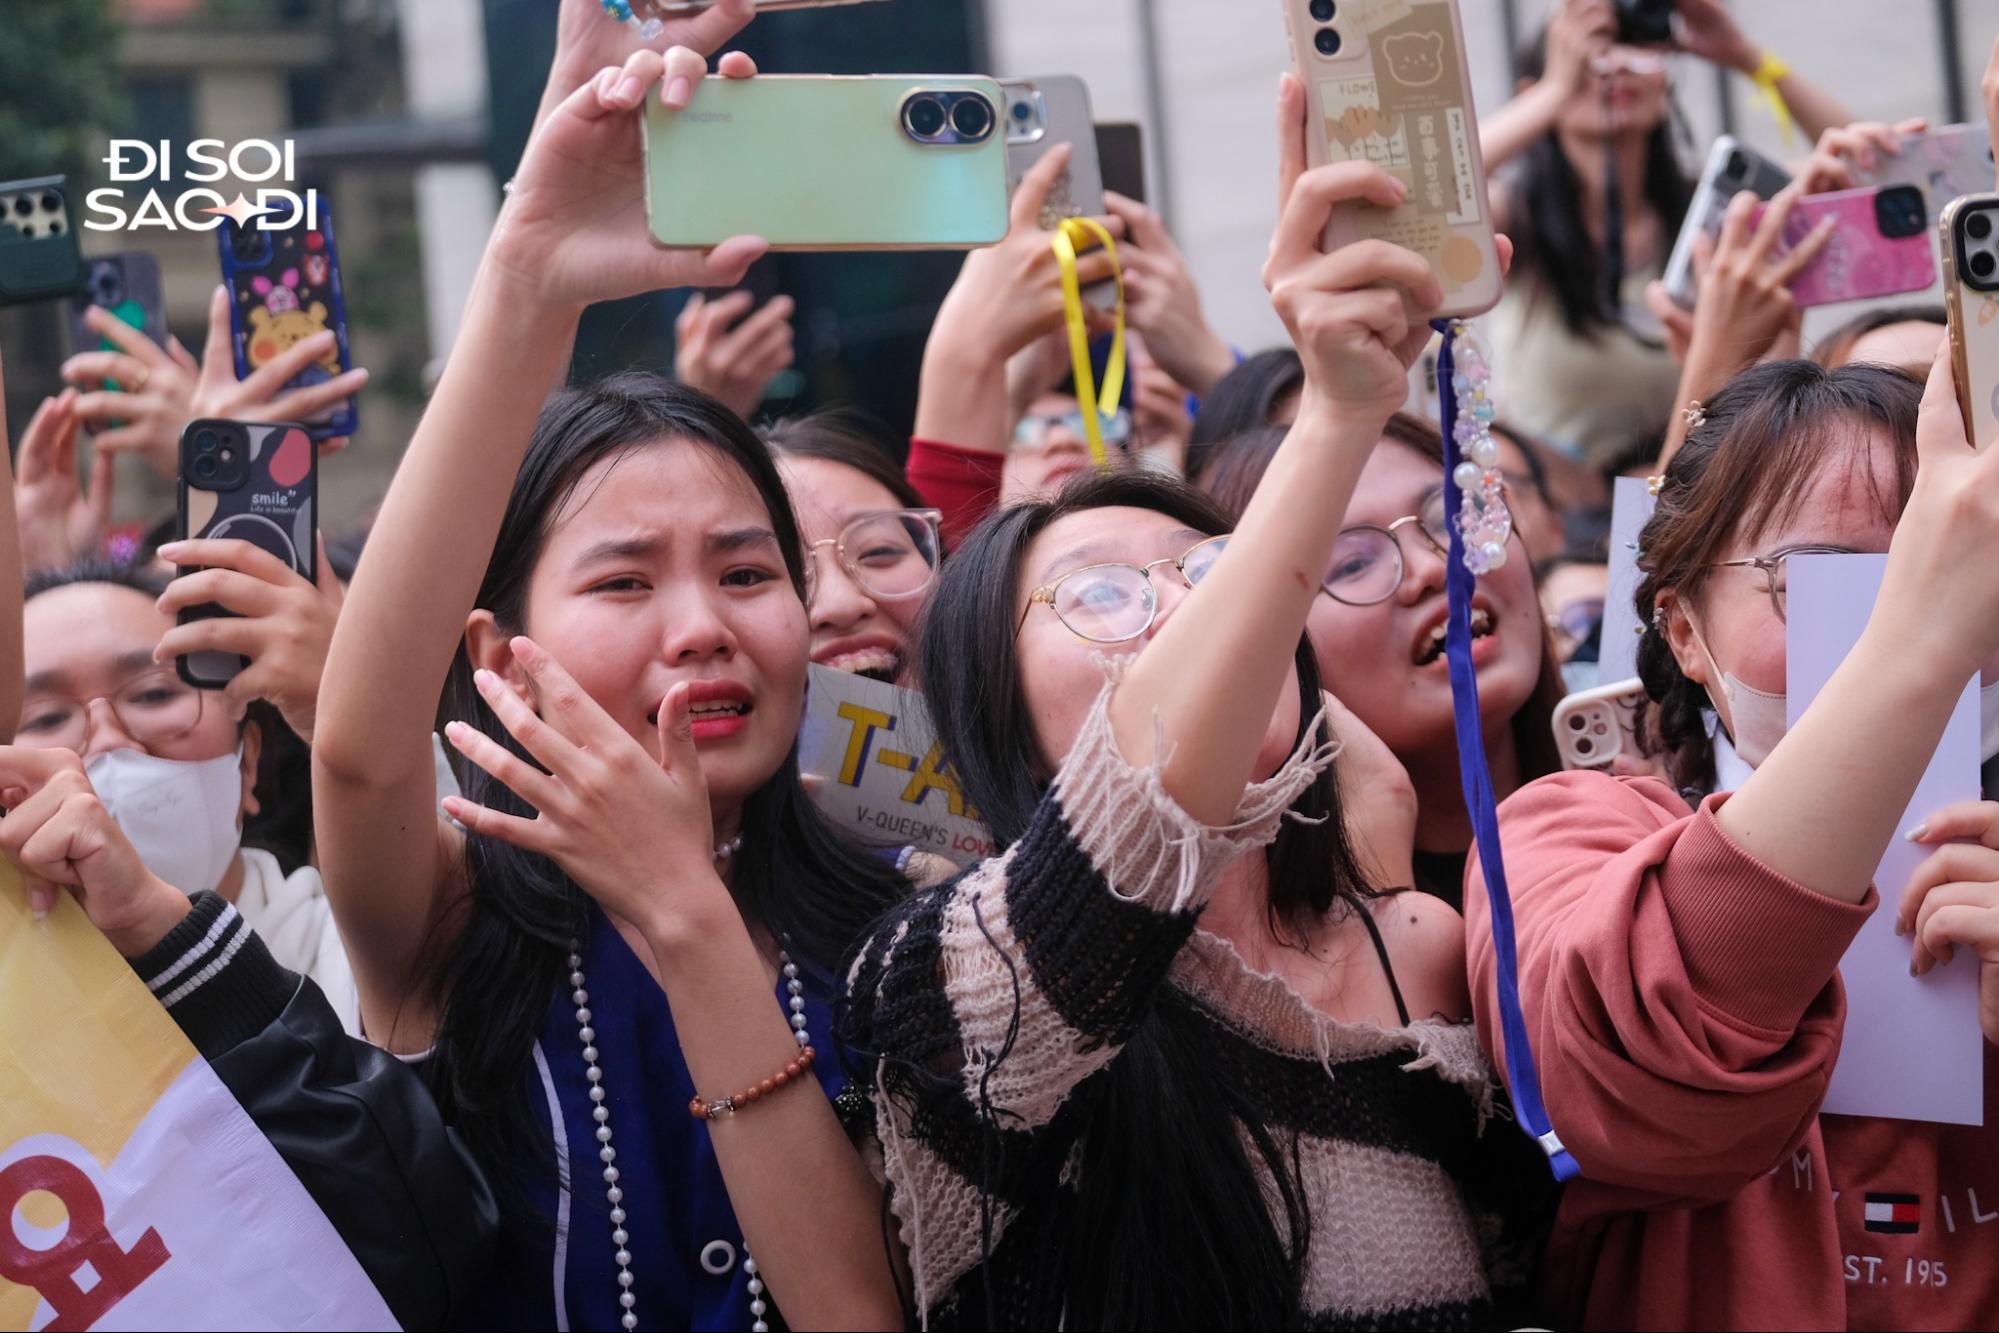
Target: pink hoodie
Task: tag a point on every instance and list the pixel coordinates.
(1686, 1011)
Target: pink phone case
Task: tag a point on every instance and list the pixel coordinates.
(1858, 263)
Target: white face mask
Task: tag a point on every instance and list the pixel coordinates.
(1758, 720)
(180, 815)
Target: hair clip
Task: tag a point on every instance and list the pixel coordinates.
(1654, 484)
(1694, 415)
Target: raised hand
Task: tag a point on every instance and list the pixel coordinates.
(59, 521)
(587, 39)
(59, 833)
(1162, 302)
(720, 352)
(1359, 316)
(1953, 899)
(573, 229)
(282, 623)
(165, 388)
(630, 826)
(1843, 151)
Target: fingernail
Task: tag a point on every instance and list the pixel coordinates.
(678, 90)
(629, 88)
(484, 679)
(1912, 970)
(1918, 833)
(168, 550)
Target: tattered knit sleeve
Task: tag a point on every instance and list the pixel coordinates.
(983, 1003)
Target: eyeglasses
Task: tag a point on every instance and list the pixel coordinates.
(154, 708)
(1578, 619)
(1112, 603)
(1367, 560)
(890, 553)
(1034, 432)
(1772, 566)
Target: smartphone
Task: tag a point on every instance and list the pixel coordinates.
(1388, 83)
(258, 482)
(127, 285)
(1943, 163)
(1041, 113)
(1594, 726)
(1968, 235)
(1732, 167)
(284, 285)
(1880, 244)
(1121, 157)
(822, 162)
(39, 258)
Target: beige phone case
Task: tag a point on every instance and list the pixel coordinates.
(1397, 92)
(1974, 328)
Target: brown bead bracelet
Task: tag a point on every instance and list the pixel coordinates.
(702, 1109)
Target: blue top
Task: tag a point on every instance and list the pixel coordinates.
(556, 1268)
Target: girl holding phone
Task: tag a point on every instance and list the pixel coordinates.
(1152, 1065)
(615, 969)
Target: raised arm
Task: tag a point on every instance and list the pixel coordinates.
(1708, 30)
(389, 864)
(1208, 681)
(1577, 33)
(13, 685)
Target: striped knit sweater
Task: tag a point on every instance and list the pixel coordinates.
(988, 1005)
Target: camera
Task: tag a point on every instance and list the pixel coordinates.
(1899, 212)
(1974, 237)
(216, 454)
(944, 117)
(1645, 22)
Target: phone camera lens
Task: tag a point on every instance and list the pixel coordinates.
(205, 468)
(1023, 112)
(1322, 11)
(923, 116)
(1983, 264)
(205, 441)
(55, 226)
(1738, 166)
(1327, 41)
(972, 118)
(1978, 226)
(51, 202)
(24, 205)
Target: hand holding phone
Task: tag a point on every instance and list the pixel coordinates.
(1969, 236)
(1390, 85)
(1595, 727)
(1865, 243)
(255, 483)
(725, 348)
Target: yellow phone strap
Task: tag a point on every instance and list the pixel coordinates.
(1768, 73)
(1072, 233)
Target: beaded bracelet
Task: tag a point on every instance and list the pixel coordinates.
(701, 1109)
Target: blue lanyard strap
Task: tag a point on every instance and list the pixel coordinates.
(1521, 1075)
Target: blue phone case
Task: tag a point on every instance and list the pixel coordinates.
(283, 290)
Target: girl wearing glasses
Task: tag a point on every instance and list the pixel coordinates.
(1378, 632)
(182, 771)
(873, 545)
(1685, 943)
(1168, 1061)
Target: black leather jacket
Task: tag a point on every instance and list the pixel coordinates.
(358, 1128)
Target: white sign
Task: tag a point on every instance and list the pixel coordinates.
(881, 772)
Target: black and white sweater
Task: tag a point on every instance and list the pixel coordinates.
(988, 1005)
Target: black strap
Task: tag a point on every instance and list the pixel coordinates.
(1387, 968)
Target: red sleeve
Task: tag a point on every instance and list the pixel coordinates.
(1682, 997)
(964, 483)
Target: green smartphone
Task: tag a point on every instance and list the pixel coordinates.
(822, 162)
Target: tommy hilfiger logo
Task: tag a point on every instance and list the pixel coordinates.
(1896, 1214)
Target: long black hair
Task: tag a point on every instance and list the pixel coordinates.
(1548, 214)
(1167, 1227)
(1247, 398)
(796, 876)
(282, 824)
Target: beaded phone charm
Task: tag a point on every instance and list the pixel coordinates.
(1472, 490)
(621, 10)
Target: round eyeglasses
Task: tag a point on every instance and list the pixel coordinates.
(1112, 603)
(889, 553)
(1367, 564)
(154, 708)
(1772, 566)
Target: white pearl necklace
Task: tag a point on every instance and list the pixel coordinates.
(608, 1155)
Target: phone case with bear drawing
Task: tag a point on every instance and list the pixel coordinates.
(1386, 81)
(284, 286)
